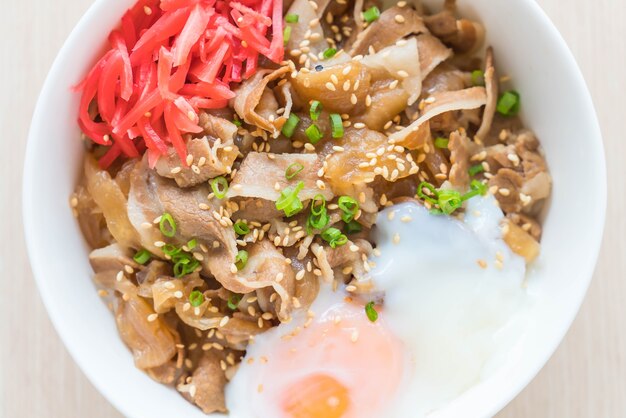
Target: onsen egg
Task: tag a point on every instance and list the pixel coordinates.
(329, 362)
(452, 310)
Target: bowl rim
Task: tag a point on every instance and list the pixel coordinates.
(38, 270)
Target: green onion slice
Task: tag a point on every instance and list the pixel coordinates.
(288, 201)
(334, 237)
(371, 313)
(476, 188)
(420, 192)
(478, 78)
(475, 169)
(241, 228)
(142, 256)
(233, 301)
(241, 259)
(196, 298)
(349, 207)
(292, 18)
(449, 201)
(313, 133)
(318, 204)
(336, 125)
(237, 121)
(318, 218)
(442, 143)
(290, 126)
(316, 109)
(353, 227)
(371, 14)
(509, 103)
(185, 266)
(219, 185)
(167, 225)
(191, 244)
(329, 53)
(293, 170)
(286, 34)
(341, 240)
(331, 234)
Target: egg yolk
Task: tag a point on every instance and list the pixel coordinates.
(337, 365)
(317, 396)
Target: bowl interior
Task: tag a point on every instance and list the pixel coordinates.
(556, 105)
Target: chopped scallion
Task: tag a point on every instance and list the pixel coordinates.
(371, 14)
(432, 198)
(219, 185)
(185, 266)
(142, 256)
(353, 227)
(196, 298)
(334, 237)
(290, 126)
(336, 125)
(441, 143)
(318, 218)
(476, 188)
(313, 133)
(331, 234)
(475, 169)
(478, 78)
(241, 259)
(449, 201)
(293, 170)
(241, 228)
(329, 53)
(167, 225)
(371, 313)
(233, 301)
(292, 18)
(288, 201)
(237, 121)
(191, 244)
(286, 34)
(509, 103)
(316, 109)
(349, 208)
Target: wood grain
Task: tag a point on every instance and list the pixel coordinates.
(585, 378)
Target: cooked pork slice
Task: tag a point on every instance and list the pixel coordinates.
(255, 209)
(262, 175)
(205, 388)
(432, 53)
(266, 267)
(208, 156)
(249, 95)
(145, 333)
(301, 30)
(388, 29)
(461, 150)
(112, 257)
(491, 86)
(465, 36)
(470, 98)
(152, 195)
(110, 199)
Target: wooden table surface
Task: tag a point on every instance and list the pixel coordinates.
(585, 378)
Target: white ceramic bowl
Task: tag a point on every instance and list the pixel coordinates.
(556, 105)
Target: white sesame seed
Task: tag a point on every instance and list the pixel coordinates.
(152, 317)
